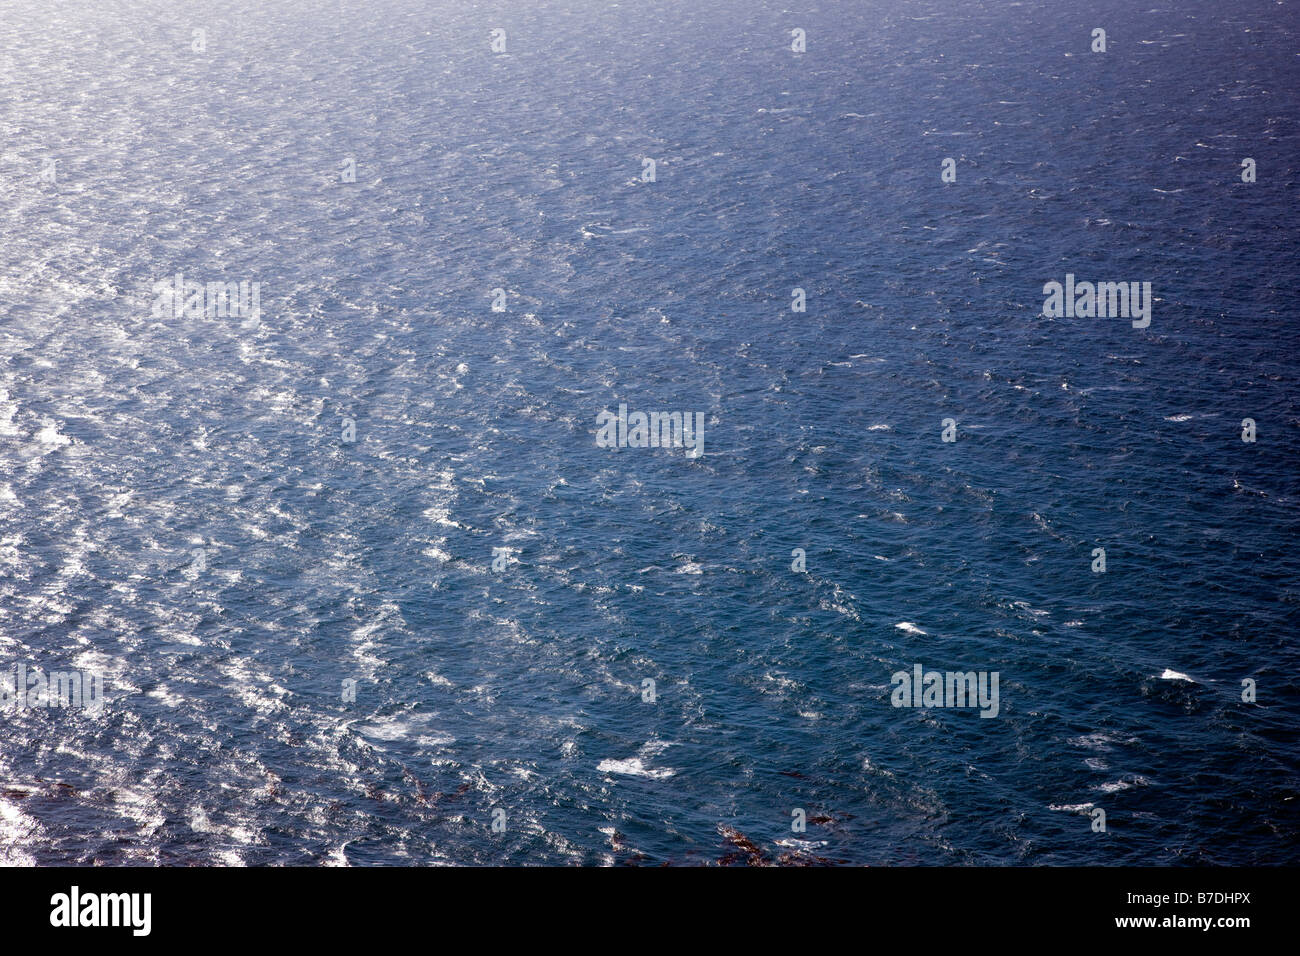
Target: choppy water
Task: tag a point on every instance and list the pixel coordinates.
(129, 441)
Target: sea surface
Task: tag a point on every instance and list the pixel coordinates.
(181, 513)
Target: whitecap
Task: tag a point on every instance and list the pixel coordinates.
(633, 768)
(49, 435)
(16, 831)
(802, 846)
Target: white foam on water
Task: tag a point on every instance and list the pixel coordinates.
(166, 697)
(50, 435)
(7, 411)
(1118, 785)
(337, 857)
(801, 845)
(636, 767)
(16, 829)
(1099, 740)
(633, 767)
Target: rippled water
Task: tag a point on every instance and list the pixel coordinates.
(131, 443)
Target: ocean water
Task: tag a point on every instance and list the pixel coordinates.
(181, 514)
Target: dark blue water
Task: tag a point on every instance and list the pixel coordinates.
(130, 441)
